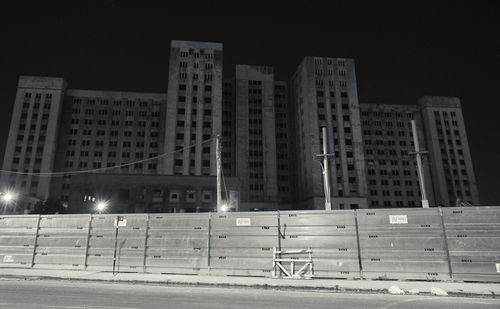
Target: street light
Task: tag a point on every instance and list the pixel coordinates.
(223, 207)
(101, 206)
(9, 197)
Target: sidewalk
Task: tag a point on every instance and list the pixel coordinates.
(352, 286)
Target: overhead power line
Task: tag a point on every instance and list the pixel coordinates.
(59, 174)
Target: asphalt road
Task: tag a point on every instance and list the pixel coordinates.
(70, 294)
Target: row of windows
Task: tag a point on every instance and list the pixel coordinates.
(182, 99)
(208, 88)
(380, 142)
(395, 182)
(72, 142)
(38, 95)
(375, 203)
(384, 172)
(379, 114)
(388, 133)
(319, 72)
(105, 102)
(395, 193)
(196, 53)
(389, 124)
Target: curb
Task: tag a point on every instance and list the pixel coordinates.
(334, 289)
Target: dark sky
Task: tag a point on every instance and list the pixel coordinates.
(401, 52)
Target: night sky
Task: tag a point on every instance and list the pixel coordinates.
(401, 52)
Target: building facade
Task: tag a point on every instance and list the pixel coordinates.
(194, 108)
(105, 131)
(324, 94)
(271, 136)
(453, 177)
(388, 143)
(34, 130)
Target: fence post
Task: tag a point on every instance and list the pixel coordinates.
(35, 244)
(446, 243)
(357, 242)
(146, 244)
(88, 242)
(208, 240)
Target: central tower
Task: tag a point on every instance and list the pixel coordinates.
(194, 108)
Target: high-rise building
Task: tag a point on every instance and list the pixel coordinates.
(33, 135)
(255, 138)
(285, 151)
(228, 128)
(452, 173)
(324, 94)
(194, 108)
(388, 143)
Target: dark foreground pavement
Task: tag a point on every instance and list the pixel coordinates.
(422, 288)
(17, 293)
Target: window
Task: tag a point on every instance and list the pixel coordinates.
(174, 196)
(207, 196)
(190, 196)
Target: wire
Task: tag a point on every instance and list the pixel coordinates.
(58, 174)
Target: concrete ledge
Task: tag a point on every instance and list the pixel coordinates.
(351, 286)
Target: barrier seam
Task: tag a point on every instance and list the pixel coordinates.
(358, 244)
(145, 244)
(36, 241)
(445, 237)
(88, 242)
(208, 239)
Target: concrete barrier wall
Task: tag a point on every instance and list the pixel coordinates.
(460, 244)
(330, 235)
(177, 243)
(473, 236)
(402, 244)
(241, 243)
(62, 241)
(18, 235)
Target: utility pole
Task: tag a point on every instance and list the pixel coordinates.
(324, 167)
(418, 153)
(219, 172)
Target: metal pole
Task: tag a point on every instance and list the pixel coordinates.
(418, 153)
(219, 173)
(328, 204)
(116, 243)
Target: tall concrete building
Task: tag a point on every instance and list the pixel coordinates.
(255, 138)
(228, 128)
(453, 176)
(33, 135)
(257, 144)
(194, 108)
(285, 151)
(388, 143)
(324, 94)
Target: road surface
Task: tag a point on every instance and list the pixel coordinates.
(28, 294)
